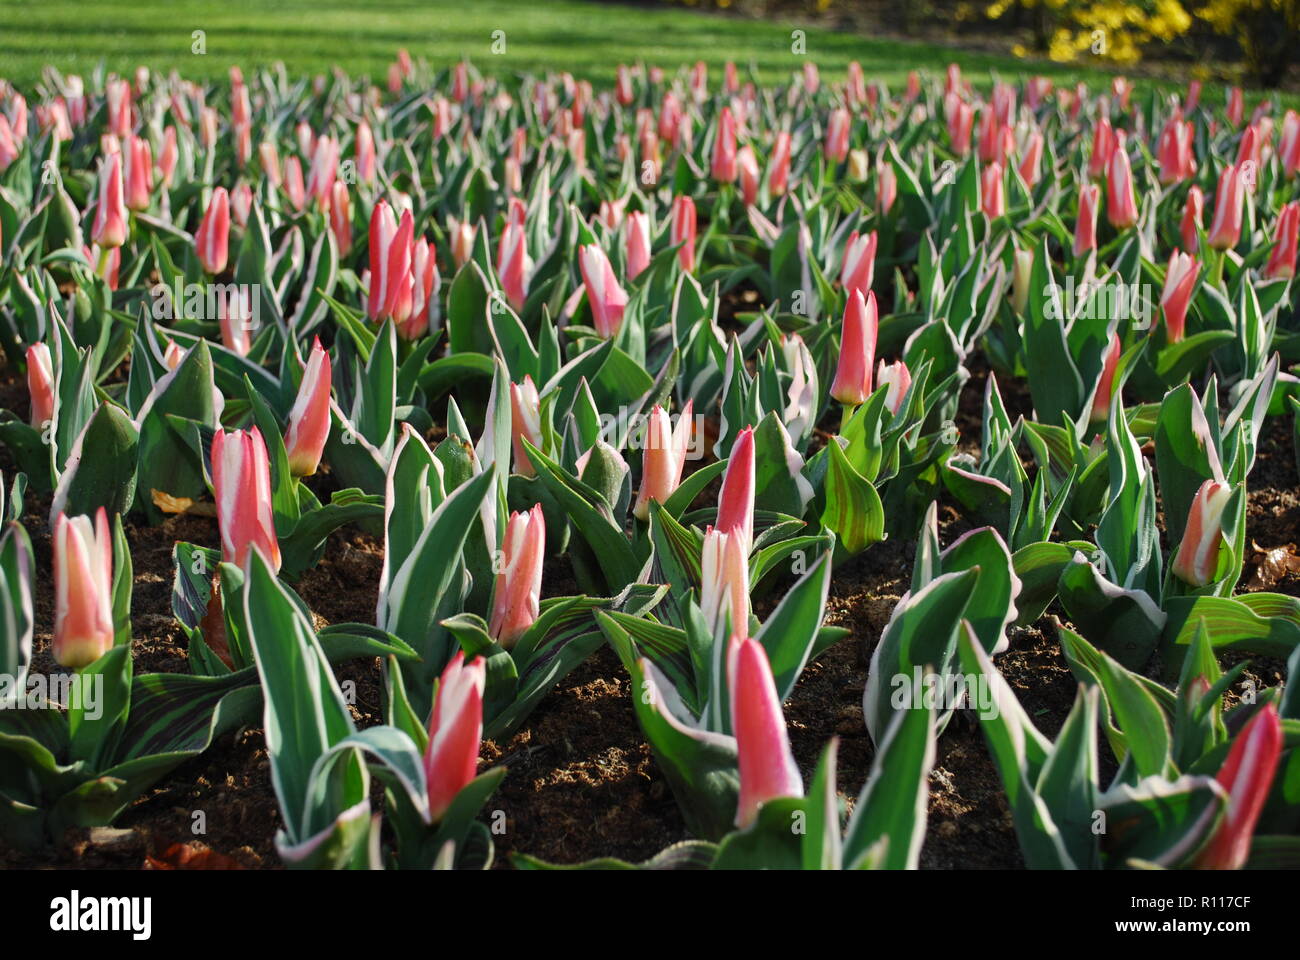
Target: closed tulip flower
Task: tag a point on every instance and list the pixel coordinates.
(462, 240)
(1197, 561)
(515, 265)
(1247, 777)
(886, 187)
(724, 149)
(1176, 298)
(1103, 148)
(1022, 270)
(241, 481)
(391, 241)
(766, 763)
(139, 173)
(516, 599)
(637, 230)
(859, 267)
(605, 295)
(1121, 204)
(663, 459)
(683, 231)
(993, 199)
(341, 217)
(898, 379)
(1106, 384)
(1190, 226)
(778, 165)
(1031, 160)
(83, 589)
(1225, 229)
(837, 135)
(857, 350)
(736, 499)
(425, 283)
(1085, 227)
(525, 423)
(1281, 261)
(747, 164)
(212, 240)
(309, 420)
(109, 229)
(40, 385)
(724, 581)
(455, 731)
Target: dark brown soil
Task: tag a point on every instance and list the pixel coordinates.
(582, 782)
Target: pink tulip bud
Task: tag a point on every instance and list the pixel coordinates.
(605, 296)
(683, 231)
(1085, 227)
(858, 271)
(989, 147)
(269, 157)
(365, 153)
(857, 350)
(767, 767)
(724, 148)
(778, 165)
(516, 599)
(1103, 148)
(1193, 95)
(139, 173)
(663, 459)
(747, 163)
(1106, 385)
(856, 87)
(168, 156)
(1251, 146)
(514, 264)
(462, 240)
(993, 199)
(1236, 106)
(241, 481)
(736, 499)
(1247, 776)
(961, 117)
(1191, 223)
(389, 296)
(1288, 149)
(837, 135)
(1032, 159)
(83, 589)
(1175, 151)
(324, 165)
(341, 217)
(173, 355)
(455, 731)
(1225, 229)
(109, 229)
(623, 86)
(1176, 298)
(1281, 262)
(40, 384)
(309, 420)
(724, 581)
(208, 127)
(212, 239)
(1121, 205)
(913, 86)
(898, 379)
(235, 317)
(425, 283)
(637, 230)
(886, 187)
(525, 423)
(119, 107)
(241, 203)
(1197, 559)
(9, 147)
(294, 188)
(700, 81)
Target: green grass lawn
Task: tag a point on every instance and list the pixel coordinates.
(589, 39)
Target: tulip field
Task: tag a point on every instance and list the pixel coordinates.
(682, 470)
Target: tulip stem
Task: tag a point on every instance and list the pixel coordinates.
(102, 267)
(1216, 267)
(847, 415)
